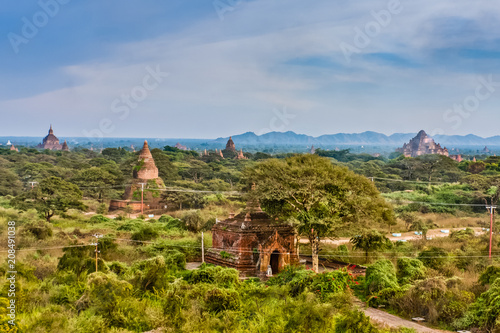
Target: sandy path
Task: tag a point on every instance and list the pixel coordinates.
(434, 233)
(385, 319)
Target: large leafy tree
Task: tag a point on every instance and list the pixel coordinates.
(96, 182)
(51, 196)
(166, 169)
(9, 182)
(321, 197)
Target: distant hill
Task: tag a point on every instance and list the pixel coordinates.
(366, 138)
(274, 142)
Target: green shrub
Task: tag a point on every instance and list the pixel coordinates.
(410, 270)
(118, 268)
(89, 322)
(105, 291)
(221, 276)
(354, 322)
(175, 260)
(385, 296)
(98, 219)
(191, 248)
(304, 314)
(436, 299)
(80, 260)
(145, 233)
(380, 275)
(328, 283)
(219, 299)
(41, 230)
(489, 276)
(485, 312)
(102, 208)
(193, 220)
(120, 217)
(461, 235)
(51, 319)
(434, 257)
(149, 273)
(64, 294)
(172, 223)
(131, 225)
(106, 245)
(323, 285)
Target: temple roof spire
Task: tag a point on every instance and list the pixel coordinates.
(146, 169)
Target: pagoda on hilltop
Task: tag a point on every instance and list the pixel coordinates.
(231, 152)
(422, 144)
(65, 146)
(240, 155)
(181, 147)
(230, 145)
(50, 141)
(146, 180)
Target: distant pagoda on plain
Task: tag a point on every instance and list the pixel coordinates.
(422, 144)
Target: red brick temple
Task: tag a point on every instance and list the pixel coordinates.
(50, 141)
(145, 174)
(251, 241)
(65, 146)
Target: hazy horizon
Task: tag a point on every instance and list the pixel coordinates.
(235, 134)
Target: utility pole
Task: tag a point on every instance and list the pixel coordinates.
(142, 197)
(97, 236)
(33, 184)
(491, 208)
(202, 248)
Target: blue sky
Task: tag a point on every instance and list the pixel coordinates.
(313, 67)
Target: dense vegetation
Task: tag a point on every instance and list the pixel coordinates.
(143, 282)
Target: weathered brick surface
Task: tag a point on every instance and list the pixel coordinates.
(148, 170)
(250, 240)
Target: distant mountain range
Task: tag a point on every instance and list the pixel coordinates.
(280, 142)
(365, 138)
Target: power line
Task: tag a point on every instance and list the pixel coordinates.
(412, 181)
(391, 255)
(49, 248)
(167, 189)
(435, 203)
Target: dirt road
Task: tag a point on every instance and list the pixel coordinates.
(385, 319)
(433, 233)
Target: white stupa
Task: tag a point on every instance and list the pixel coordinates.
(8, 143)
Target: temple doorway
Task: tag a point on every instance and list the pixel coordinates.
(275, 262)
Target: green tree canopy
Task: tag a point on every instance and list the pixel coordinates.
(51, 196)
(322, 197)
(9, 182)
(94, 181)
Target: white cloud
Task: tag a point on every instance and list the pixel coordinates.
(241, 64)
